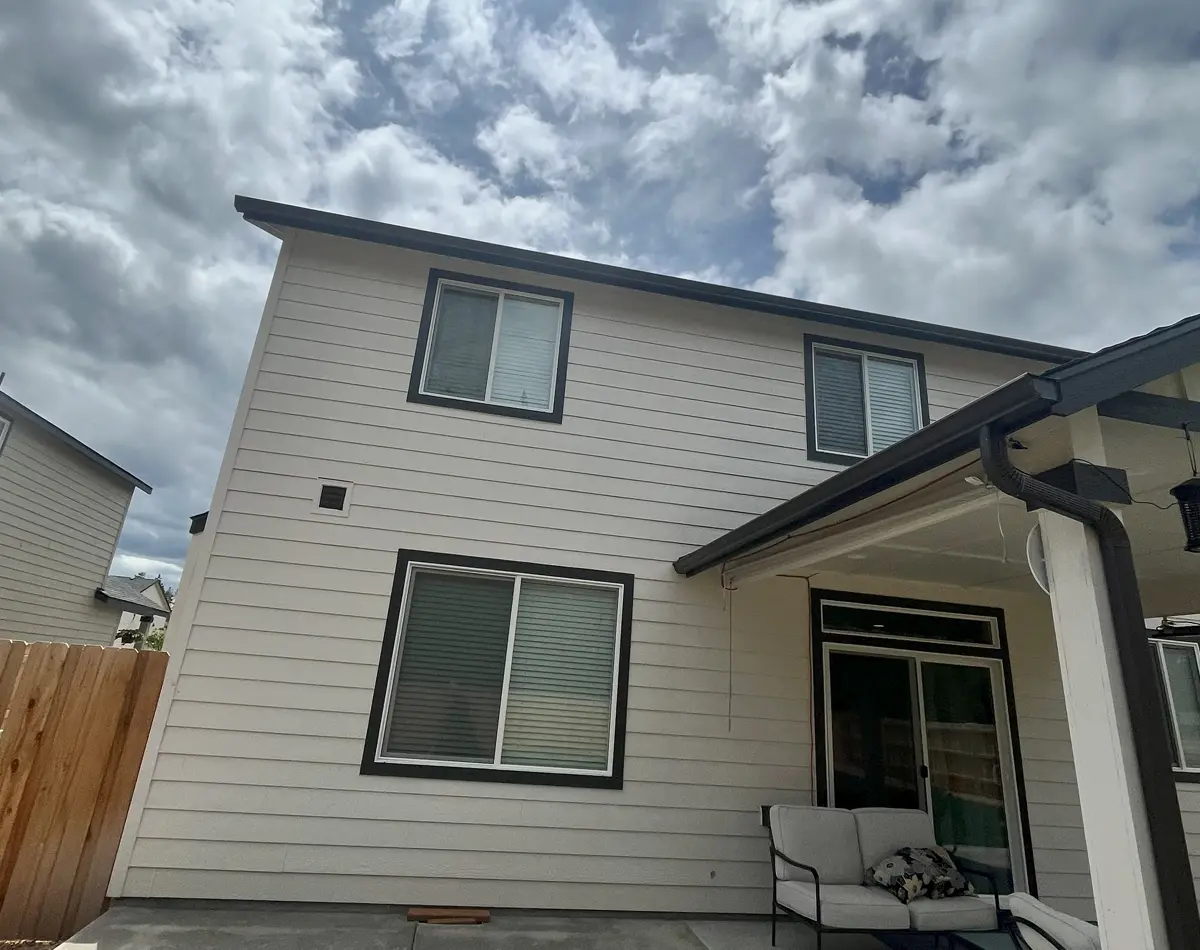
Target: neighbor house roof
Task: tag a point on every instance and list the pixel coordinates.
(129, 593)
(1064, 390)
(273, 217)
(14, 410)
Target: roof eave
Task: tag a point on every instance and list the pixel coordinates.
(269, 213)
(10, 406)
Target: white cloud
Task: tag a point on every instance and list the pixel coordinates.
(520, 139)
(578, 69)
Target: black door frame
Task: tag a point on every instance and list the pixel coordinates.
(819, 638)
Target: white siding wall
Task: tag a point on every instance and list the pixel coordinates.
(1189, 806)
(681, 422)
(60, 516)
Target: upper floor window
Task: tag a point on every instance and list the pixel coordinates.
(860, 399)
(1179, 666)
(5, 425)
(492, 346)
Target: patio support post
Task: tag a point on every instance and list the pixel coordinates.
(1140, 872)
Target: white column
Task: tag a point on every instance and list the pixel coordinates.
(1124, 879)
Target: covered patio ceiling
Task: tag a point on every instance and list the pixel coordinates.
(941, 528)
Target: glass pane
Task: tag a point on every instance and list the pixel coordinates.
(560, 688)
(526, 353)
(872, 731)
(871, 621)
(840, 417)
(965, 778)
(461, 349)
(1184, 680)
(447, 696)
(894, 414)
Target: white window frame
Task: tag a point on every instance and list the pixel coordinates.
(1160, 643)
(5, 428)
(863, 355)
(500, 293)
(517, 577)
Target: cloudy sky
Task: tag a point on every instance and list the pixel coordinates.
(1021, 166)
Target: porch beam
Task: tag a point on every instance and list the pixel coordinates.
(1168, 412)
(832, 543)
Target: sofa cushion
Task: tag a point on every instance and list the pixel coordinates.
(918, 872)
(844, 905)
(883, 831)
(1071, 932)
(953, 913)
(823, 837)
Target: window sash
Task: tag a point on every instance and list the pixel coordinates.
(416, 567)
(866, 358)
(501, 294)
(1181, 762)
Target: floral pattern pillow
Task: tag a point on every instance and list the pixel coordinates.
(919, 872)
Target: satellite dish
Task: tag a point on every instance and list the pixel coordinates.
(1035, 554)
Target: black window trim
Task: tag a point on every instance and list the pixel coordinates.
(407, 559)
(420, 357)
(1000, 651)
(1183, 774)
(812, 341)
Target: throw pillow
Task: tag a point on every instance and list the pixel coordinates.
(919, 872)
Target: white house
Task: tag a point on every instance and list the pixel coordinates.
(62, 506)
(148, 607)
(527, 581)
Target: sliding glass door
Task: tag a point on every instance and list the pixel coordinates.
(908, 729)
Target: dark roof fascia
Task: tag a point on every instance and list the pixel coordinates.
(10, 407)
(270, 213)
(1013, 406)
(1126, 366)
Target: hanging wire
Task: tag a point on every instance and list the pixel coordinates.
(1191, 448)
(1003, 536)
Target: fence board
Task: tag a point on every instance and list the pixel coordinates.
(77, 722)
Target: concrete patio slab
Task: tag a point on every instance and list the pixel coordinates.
(756, 935)
(560, 933)
(175, 928)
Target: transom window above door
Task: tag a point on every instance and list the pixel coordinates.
(492, 346)
(860, 399)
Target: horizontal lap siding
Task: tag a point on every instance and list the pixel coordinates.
(681, 422)
(59, 520)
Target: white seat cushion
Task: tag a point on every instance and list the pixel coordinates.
(826, 838)
(1071, 932)
(845, 905)
(953, 913)
(882, 830)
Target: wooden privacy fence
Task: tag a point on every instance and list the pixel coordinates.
(73, 726)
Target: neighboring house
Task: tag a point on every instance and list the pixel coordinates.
(62, 506)
(147, 606)
(456, 628)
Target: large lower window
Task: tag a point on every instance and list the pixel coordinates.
(502, 671)
(1179, 664)
(860, 399)
(492, 346)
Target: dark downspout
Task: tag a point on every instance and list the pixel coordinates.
(1142, 689)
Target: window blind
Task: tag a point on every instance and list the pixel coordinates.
(525, 353)
(840, 417)
(447, 692)
(460, 352)
(560, 686)
(892, 385)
